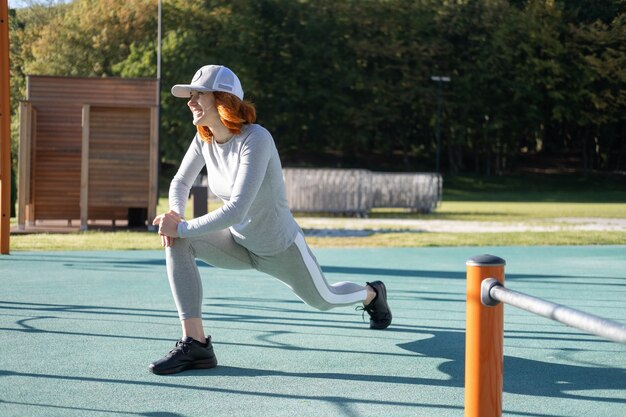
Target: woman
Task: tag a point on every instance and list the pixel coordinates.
(253, 229)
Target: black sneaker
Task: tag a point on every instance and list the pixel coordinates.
(378, 309)
(188, 354)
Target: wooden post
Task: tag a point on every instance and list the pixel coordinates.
(483, 341)
(31, 207)
(84, 171)
(153, 193)
(24, 162)
(5, 130)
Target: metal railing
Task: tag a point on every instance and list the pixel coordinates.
(484, 339)
(347, 191)
(493, 292)
(418, 191)
(328, 190)
(357, 191)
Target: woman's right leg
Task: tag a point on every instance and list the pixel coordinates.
(219, 249)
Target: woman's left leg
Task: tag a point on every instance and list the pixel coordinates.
(298, 268)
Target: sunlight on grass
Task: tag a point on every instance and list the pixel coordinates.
(471, 239)
(509, 211)
(121, 240)
(145, 241)
(531, 213)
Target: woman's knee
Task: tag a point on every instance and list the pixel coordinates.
(182, 243)
(180, 248)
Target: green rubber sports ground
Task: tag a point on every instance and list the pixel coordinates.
(78, 330)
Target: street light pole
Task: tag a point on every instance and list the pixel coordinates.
(5, 130)
(157, 168)
(159, 42)
(439, 80)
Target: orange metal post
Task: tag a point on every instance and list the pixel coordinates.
(5, 130)
(483, 341)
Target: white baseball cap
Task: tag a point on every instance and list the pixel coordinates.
(211, 78)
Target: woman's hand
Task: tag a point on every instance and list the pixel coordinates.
(168, 225)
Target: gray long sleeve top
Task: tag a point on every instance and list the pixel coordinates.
(246, 174)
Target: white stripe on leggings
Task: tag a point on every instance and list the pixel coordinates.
(321, 285)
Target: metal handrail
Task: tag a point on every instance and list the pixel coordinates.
(493, 292)
(484, 334)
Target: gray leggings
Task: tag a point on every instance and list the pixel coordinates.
(296, 267)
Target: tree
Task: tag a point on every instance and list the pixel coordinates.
(347, 83)
(601, 48)
(88, 37)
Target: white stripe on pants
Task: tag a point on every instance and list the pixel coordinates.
(296, 267)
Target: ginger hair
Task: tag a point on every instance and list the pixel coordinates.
(233, 112)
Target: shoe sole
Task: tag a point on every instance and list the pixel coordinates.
(383, 290)
(203, 364)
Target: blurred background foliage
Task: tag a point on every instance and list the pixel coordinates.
(535, 84)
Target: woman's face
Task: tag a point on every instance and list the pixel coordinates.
(202, 106)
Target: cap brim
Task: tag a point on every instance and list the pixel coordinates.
(184, 90)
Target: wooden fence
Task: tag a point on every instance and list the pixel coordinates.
(329, 190)
(418, 191)
(346, 191)
(356, 192)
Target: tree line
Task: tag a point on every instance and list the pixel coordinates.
(348, 83)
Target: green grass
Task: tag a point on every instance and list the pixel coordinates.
(507, 211)
(609, 188)
(472, 239)
(90, 240)
(529, 199)
(145, 240)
